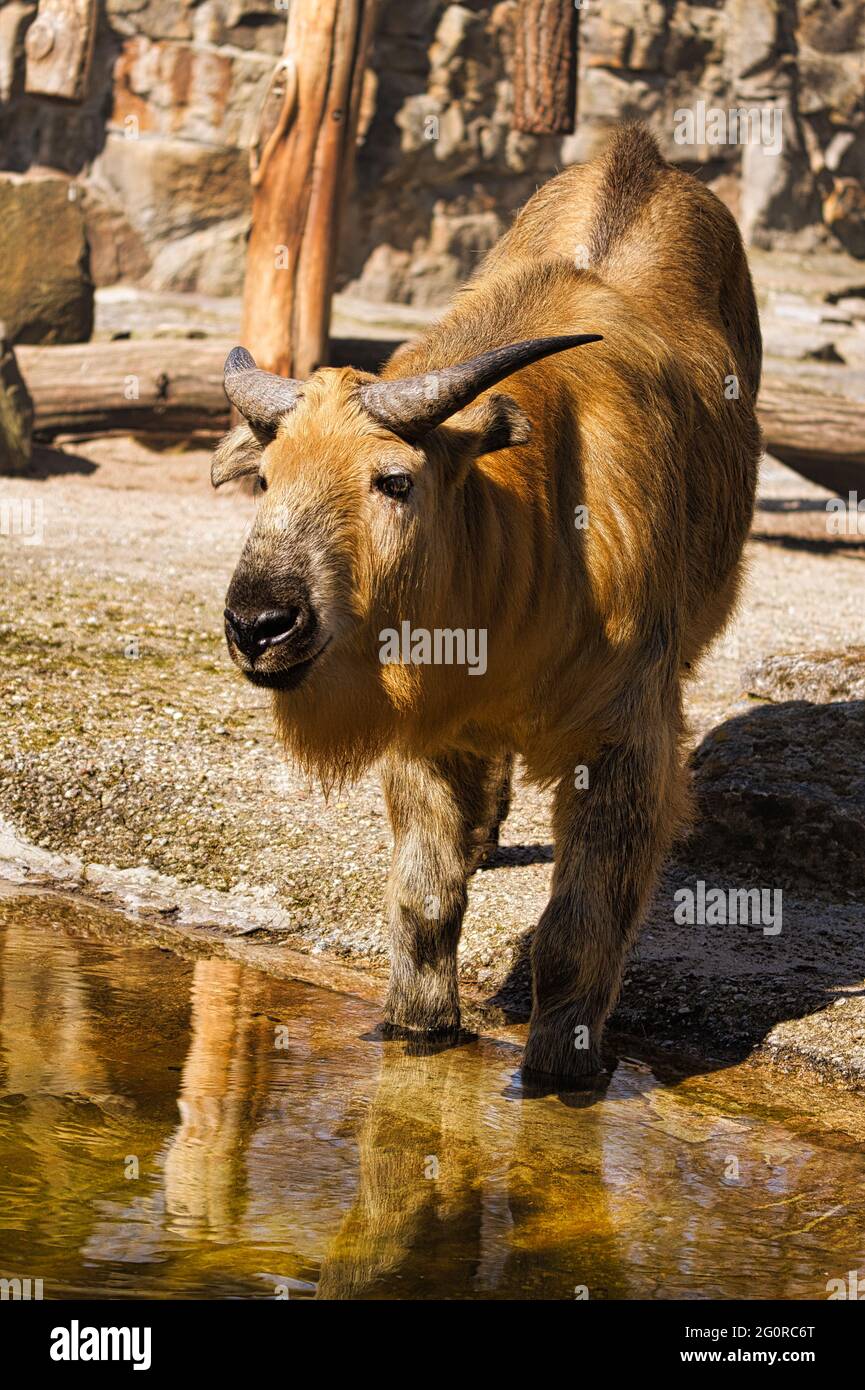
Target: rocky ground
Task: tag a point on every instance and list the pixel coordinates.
(135, 765)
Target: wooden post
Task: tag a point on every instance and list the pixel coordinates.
(301, 164)
(545, 67)
(59, 46)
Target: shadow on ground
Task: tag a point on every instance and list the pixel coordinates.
(780, 794)
(54, 463)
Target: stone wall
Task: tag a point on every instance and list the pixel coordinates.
(441, 169)
(157, 152)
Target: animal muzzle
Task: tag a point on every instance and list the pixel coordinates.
(272, 636)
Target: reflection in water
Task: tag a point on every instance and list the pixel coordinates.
(469, 1193)
(194, 1128)
(223, 1087)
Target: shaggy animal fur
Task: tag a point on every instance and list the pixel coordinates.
(591, 629)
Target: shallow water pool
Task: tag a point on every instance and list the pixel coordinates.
(175, 1128)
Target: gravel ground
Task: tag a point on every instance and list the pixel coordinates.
(135, 764)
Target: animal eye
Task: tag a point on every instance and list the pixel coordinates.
(395, 485)
(261, 484)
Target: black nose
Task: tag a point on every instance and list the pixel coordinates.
(255, 634)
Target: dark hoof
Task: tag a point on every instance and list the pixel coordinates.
(576, 1091)
(408, 1032)
(427, 1042)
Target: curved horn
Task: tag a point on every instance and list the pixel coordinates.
(260, 396)
(413, 406)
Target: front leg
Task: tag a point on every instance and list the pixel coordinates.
(611, 838)
(434, 806)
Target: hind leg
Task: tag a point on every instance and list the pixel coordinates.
(498, 775)
(611, 839)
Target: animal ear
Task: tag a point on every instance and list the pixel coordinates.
(237, 456)
(496, 422)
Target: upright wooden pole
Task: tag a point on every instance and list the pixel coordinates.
(545, 67)
(59, 46)
(301, 165)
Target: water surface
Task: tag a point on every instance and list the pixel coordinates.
(176, 1127)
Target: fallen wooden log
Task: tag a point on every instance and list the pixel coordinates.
(160, 386)
(174, 386)
(822, 436)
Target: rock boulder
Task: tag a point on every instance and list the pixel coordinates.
(46, 292)
(16, 412)
(781, 786)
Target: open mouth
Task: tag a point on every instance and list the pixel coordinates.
(287, 677)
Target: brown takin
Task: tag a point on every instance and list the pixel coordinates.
(582, 534)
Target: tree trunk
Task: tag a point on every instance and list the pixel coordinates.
(545, 67)
(301, 166)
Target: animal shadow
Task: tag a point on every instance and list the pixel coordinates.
(780, 808)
